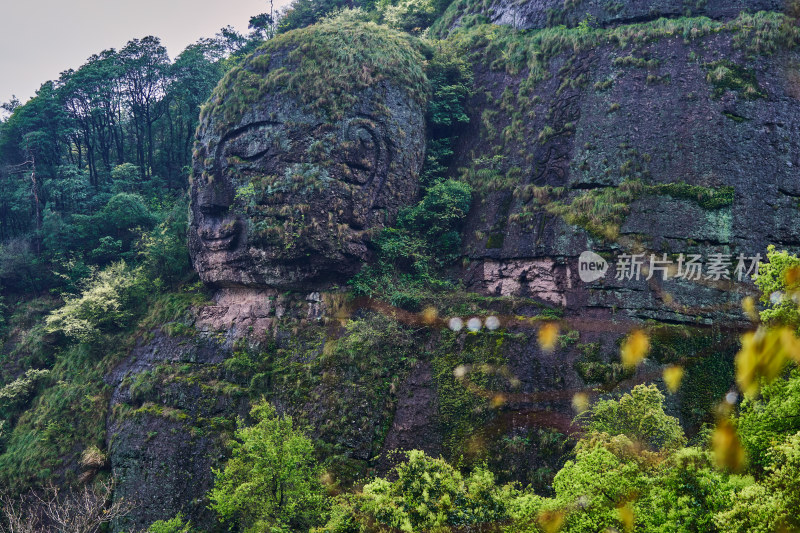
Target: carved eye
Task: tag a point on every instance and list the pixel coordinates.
(362, 149)
(256, 141)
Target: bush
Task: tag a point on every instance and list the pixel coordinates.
(412, 16)
(439, 215)
(19, 392)
(174, 525)
(769, 419)
(109, 302)
(689, 491)
(163, 251)
(409, 256)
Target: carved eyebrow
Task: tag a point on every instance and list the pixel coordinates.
(223, 145)
(237, 132)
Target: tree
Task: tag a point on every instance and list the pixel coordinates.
(194, 74)
(640, 416)
(777, 277)
(272, 479)
(606, 474)
(263, 24)
(108, 303)
(769, 419)
(687, 493)
(144, 63)
(428, 495)
(92, 100)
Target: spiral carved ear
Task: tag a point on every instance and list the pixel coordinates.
(365, 154)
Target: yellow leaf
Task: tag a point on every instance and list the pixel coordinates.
(791, 344)
(626, 516)
(749, 307)
(429, 315)
(498, 400)
(673, 375)
(792, 277)
(551, 521)
(763, 355)
(548, 335)
(728, 451)
(634, 348)
(580, 402)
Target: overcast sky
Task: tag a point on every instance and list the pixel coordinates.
(41, 38)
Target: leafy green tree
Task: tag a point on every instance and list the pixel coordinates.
(272, 481)
(776, 277)
(640, 416)
(144, 67)
(163, 251)
(439, 215)
(768, 420)
(92, 101)
(428, 495)
(686, 494)
(607, 473)
(193, 76)
(773, 504)
(784, 481)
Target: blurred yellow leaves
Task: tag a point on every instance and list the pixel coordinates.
(625, 514)
(634, 348)
(673, 375)
(429, 316)
(728, 451)
(580, 402)
(548, 336)
(764, 354)
(749, 308)
(791, 278)
(498, 400)
(551, 521)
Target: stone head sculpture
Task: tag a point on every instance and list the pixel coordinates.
(305, 151)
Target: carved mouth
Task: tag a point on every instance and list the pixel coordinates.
(218, 244)
(221, 238)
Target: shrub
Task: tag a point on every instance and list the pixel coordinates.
(19, 392)
(109, 302)
(439, 215)
(412, 16)
(173, 525)
(769, 419)
(163, 250)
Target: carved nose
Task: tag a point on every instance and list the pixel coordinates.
(214, 197)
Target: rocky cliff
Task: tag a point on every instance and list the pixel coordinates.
(629, 136)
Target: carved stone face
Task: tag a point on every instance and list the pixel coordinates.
(286, 197)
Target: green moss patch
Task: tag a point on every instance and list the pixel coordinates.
(727, 76)
(326, 66)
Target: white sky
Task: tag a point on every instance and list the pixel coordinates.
(41, 38)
